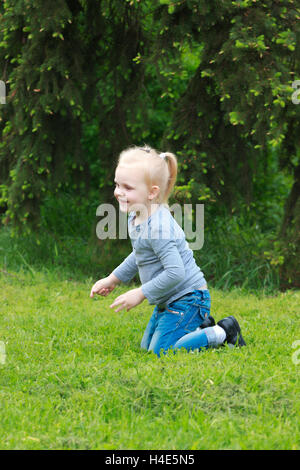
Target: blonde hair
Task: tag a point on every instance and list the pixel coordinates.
(157, 170)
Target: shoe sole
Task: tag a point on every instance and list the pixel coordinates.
(240, 340)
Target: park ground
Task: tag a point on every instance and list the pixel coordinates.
(73, 375)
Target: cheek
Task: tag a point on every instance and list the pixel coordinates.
(134, 195)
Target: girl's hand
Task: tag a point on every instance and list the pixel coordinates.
(129, 300)
(102, 287)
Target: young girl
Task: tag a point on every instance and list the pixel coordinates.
(170, 277)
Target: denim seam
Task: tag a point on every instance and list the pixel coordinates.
(190, 321)
(183, 316)
(173, 311)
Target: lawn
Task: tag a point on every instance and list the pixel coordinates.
(74, 376)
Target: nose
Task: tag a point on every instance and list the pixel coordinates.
(118, 192)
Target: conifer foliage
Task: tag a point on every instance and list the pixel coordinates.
(54, 54)
(70, 61)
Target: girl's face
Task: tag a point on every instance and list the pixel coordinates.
(130, 189)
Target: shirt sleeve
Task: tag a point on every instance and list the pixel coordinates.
(127, 269)
(174, 271)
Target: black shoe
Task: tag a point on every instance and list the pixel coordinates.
(233, 331)
(210, 321)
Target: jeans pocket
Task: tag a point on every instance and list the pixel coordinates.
(187, 317)
(203, 302)
(175, 312)
(191, 319)
(191, 310)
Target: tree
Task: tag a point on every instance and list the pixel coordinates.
(64, 63)
(238, 106)
(74, 64)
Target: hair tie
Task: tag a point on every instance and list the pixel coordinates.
(162, 155)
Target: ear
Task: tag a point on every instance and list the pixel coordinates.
(154, 192)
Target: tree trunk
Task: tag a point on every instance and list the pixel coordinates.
(290, 237)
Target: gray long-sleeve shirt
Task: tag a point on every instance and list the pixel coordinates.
(162, 257)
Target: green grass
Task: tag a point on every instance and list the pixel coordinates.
(75, 377)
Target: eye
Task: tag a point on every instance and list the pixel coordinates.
(125, 186)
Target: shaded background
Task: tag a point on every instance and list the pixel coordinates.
(209, 81)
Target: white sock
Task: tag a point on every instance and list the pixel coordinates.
(220, 334)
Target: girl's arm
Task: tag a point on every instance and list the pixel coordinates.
(114, 279)
(127, 269)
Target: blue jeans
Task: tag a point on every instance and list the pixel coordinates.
(177, 326)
